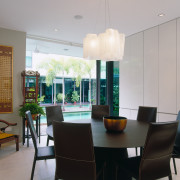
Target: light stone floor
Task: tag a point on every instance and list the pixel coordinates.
(17, 165)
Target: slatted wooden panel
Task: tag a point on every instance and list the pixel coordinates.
(6, 79)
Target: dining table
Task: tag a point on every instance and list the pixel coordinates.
(110, 143)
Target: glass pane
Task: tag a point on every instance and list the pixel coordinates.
(116, 88)
(103, 83)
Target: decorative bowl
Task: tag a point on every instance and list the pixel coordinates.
(115, 123)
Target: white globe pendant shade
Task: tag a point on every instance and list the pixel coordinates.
(108, 46)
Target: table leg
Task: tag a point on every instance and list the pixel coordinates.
(39, 122)
(27, 134)
(23, 130)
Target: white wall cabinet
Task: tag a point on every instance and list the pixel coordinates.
(166, 117)
(167, 67)
(178, 65)
(150, 71)
(131, 73)
(151, 67)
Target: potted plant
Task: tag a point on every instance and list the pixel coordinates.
(75, 97)
(34, 108)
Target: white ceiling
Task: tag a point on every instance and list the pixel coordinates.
(40, 17)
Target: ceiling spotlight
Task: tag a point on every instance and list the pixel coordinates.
(161, 15)
(78, 17)
(56, 30)
(66, 49)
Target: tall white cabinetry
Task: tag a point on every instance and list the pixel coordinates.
(131, 73)
(167, 67)
(151, 67)
(150, 71)
(178, 65)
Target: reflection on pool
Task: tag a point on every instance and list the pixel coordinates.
(71, 116)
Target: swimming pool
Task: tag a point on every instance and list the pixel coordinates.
(71, 116)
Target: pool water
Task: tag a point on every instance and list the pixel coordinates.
(71, 116)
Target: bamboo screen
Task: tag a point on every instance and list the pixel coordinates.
(6, 79)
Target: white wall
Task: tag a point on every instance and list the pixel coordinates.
(17, 40)
(150, 71)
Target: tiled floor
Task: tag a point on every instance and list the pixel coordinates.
(17, 165)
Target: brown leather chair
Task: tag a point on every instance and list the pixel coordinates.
(176, 150)
(53, 113)
(146, 114)
(99, 111)
(155, 161)
(41, 153)
(74, 151)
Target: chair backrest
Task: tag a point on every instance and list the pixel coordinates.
(74, 151)
(99, 111)
(54, 113)
(177, 140)
(147, 114)
(155, 162)
(32, 129)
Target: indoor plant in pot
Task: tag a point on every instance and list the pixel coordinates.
(34, 108)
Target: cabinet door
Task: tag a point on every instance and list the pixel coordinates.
(166, 117)
(167, 67)
(131, 73)
(151, 67)
(178, 65)
(124, 112)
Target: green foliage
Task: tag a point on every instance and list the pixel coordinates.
(75, 97)
(68, 96)
(59, 97)
(32, 107)
(41, 99)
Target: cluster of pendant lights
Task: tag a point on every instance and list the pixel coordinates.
(108, 46)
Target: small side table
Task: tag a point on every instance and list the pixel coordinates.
(38, 129)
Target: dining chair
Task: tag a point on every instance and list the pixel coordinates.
(74, 152)
(99, 111)
(155, 161)
(146, 114)
(41, 153)
(176, 150)
(53, 113)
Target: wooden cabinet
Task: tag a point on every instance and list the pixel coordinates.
(30, 86)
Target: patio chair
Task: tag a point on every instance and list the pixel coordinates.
(5, 137)
(99, 111)
(74, 152)
(53, 113)
(41, 153)
(155, 161)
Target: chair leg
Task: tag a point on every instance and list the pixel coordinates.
(170, 177)
(136, 151)
(17, 142)
(174, 163)
(47, 141)
(55, 178)
(33, 168)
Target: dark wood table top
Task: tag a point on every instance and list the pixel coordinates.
(134, 134)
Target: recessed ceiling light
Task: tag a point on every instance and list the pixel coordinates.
(66, 49)
(78, 17)
(161, 15)
(56, 30)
